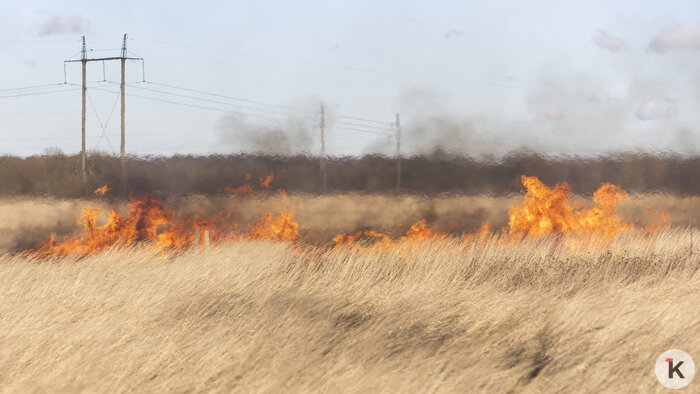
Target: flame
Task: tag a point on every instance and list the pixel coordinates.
(544, 210)
(659, 220)
(365, 236)
(265, 182)
(247, 188)
(548, 210)
(145, 217)
(480, 235)
(280, 227)
(149, 222)
(101, 191)
(419, 231)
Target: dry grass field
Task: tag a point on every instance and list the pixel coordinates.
(434, 311)
(440, 316)
(27, 221)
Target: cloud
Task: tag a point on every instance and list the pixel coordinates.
(453, 33)
(652, 110)
(678, 38)
(606, 40)
(57, 24)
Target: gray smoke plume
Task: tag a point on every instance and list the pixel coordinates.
(272, 137)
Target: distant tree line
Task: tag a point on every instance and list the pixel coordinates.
(58, 175)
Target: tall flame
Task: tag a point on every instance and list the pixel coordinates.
(544, 210)
(548, 210)
(147, 221)
(145, 217)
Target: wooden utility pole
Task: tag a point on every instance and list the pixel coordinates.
(84, 60)
(323, 150)
(123, 142)
(83, 158)
(398, 152)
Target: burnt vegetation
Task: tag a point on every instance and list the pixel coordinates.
(59, 175)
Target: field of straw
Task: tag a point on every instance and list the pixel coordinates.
(28, 221)
(436, 317)
(440, 315)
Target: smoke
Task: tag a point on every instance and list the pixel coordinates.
(57, 24)
(676, 38)
(559, 114)
(274, 137)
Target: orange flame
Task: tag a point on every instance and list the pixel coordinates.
(147, 221)
(101, 191)
(366, 236)
(548, 210)
(281, 227)
(247, 188)
(544, 210)
(418, 232)
(145, 217)
(481, 234)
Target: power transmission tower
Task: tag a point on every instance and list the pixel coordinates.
(84, 60)
(122, 159)
(398, 152)
(323, 149)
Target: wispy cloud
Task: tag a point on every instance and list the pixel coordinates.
(58, 24)
(678, 38)
(606, 40)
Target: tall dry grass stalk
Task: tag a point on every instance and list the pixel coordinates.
(265, 317)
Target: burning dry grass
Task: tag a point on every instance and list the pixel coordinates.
(28, 221)
(263, 316)
(543, 211)
(565, 297)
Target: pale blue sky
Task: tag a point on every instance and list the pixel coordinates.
(478, 77)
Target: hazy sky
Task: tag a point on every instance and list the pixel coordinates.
(477, 77)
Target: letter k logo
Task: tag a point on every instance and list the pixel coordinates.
(672, 369)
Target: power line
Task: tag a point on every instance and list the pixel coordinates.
(254, 102)
(363, 131)
(365, 120)
(203, 99)
(373, 129)
(32, 87)
(227, 97)
(342, 67)
(111, 135)
(38, 93)
(194, 105)
(361, 125)
(38, 41)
